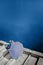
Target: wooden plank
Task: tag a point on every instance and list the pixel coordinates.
(3, 52)
(19, 61)
(8, 56)
(11, 61)
(33, 52)
(30, 61)
(3, 61)
(2, 47)
(24, 59)
(40, 62)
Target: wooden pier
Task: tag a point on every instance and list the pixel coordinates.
(29, 57)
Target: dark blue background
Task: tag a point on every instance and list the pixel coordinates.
(22, 20)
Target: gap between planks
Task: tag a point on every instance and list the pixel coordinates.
(34, 53)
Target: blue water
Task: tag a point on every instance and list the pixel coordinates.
(22, 20)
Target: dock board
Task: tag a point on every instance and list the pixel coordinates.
(29, 57)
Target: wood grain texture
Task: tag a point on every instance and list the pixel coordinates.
(3, 61)
(10, 61)
(33, 52)
(26, 58)
(8, 56)
(40, 62)
(30, 61)
(20, 60)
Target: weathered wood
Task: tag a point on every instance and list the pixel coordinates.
(33, 52)
(19, 61)
(11, 61)
(3, 61)
(26, 58)
(30, 61)
(40, 62)
(8, 56)
(3, 52)
(1, 48)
